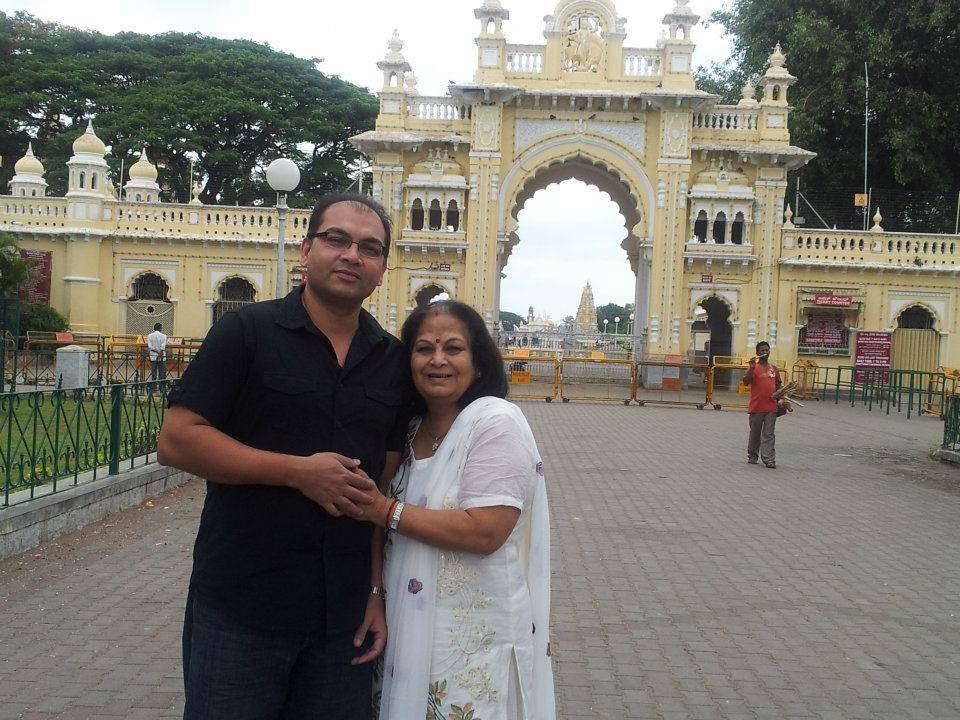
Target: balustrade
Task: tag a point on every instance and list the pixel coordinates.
(727, 118)
(642, 63)
(435, 108)
(35, 211)
(525, 59)
(896, 249)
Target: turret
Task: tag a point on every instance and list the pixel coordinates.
(678, 46)
(88, 175)
(395, 68)
(142, 185)
(774, 107)
(491, 43)
(28, 176)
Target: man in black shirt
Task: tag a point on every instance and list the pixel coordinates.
(288, 410)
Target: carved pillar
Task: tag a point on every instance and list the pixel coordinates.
(770, 190)
(666, 296)
(481, 280)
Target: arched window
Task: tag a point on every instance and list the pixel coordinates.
(436, 215)
(776, 92)
(736, 232)
(700, 226)
(720, 228)
(23, 192)
(83, 179)
(916, 317)
(137, 198)
(491, 26)
(93, 181)
(33, 193)
(453, 216)
(233, 293)
(393, 79)
(416, 215)
(150, 286)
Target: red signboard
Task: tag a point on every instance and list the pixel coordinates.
(873, 351)
(706, 278)
(42, 262)
(834, 300)
(444, 267)
(824, 329)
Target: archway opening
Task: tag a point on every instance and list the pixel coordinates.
(570, 233)
(430, 294)
(916, 342)
(916, 317)
(713, 334)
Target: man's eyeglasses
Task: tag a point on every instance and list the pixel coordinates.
(339, 241)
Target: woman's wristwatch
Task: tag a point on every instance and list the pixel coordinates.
(378, 591)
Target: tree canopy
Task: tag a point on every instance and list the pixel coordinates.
(236, 104)
(911, 48)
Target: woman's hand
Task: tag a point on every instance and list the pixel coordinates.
(375, 507)
(374, 623)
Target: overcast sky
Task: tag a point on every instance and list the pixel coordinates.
(569, 234)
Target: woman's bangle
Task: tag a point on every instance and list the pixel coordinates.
(395, 516)
(378, 591)
(386, 521)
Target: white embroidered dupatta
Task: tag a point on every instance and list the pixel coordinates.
(412, 586)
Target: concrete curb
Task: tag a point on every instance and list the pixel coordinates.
(948, 456)
(25, 526)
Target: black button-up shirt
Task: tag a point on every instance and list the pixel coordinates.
(266, 376)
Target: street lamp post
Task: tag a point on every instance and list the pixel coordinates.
(630, 331)
(616, 326)
(605, 321)
(283, 176)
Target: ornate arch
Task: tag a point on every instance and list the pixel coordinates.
(441, 284)
(257, 290)
(603, 9)
(697, 300)
(159, 273)
(592, 159)
(937, 320)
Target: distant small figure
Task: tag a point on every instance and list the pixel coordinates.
(157, 345)
(763, 377)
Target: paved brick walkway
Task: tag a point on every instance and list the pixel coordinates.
(687, 584)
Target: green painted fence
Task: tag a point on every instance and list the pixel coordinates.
(951, 424)
(51, 440)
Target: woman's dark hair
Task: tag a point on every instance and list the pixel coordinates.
(491, 377)
(362, 202)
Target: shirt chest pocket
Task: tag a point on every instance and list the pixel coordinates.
(374, 407)
(290, 400)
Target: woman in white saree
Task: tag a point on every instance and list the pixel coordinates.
(467, 556)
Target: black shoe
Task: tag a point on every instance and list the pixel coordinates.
(772, 465)
(752, 462)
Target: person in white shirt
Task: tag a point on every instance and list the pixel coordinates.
(157, 346)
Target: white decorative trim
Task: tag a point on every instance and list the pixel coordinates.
(82, 279)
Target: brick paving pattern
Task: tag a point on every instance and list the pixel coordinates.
(687, 584)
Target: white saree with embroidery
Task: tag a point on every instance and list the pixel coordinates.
(469, 634)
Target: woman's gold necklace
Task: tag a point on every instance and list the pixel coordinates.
(436, 440)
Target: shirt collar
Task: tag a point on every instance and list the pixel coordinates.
(293, 316)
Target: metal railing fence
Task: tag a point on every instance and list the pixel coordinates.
(913, 392)
(54, 439)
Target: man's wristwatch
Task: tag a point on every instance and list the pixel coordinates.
(378, 591)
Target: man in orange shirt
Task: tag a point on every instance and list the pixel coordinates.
(764, 380)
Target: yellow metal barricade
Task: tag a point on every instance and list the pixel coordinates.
(725, 386)
(532, 375)
(598, 379)
(671, 380)
(939, 387)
